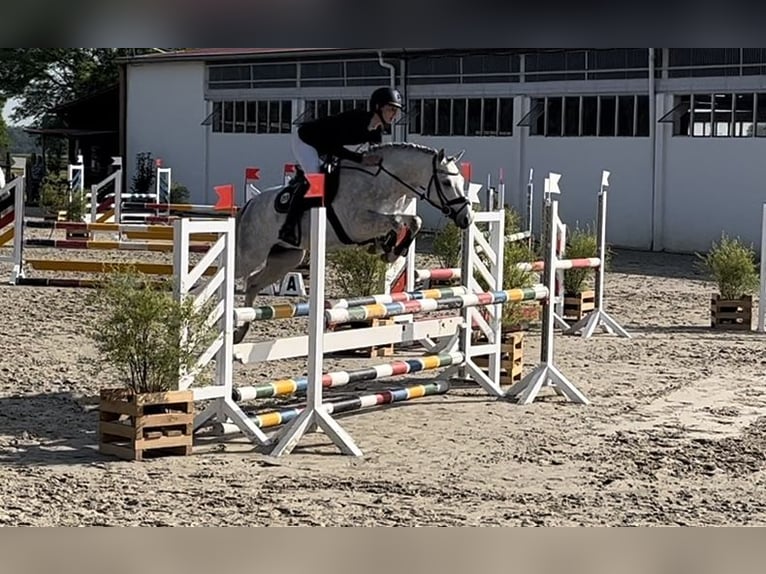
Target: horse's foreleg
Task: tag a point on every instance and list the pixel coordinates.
(404, 229)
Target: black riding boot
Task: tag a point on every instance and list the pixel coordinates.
(290, 232)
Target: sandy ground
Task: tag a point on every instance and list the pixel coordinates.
(674, 435)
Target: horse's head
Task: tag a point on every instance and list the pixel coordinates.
(446, 190)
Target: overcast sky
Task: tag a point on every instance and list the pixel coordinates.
(9, 105)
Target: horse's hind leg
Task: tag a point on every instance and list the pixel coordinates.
(279, 262)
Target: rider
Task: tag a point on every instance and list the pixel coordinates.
(328, 137)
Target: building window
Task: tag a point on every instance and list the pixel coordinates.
(718, 115)
(702, 62)
(602, 116)
(252, 117)
(481, 117)
(319, 108)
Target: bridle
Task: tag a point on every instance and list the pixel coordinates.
(449, 207)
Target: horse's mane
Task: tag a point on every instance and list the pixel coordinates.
(383, 147)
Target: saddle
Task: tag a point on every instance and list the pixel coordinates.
(296, 189)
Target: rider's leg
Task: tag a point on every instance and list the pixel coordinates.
(308, 159)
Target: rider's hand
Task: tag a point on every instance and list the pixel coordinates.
(371, 159)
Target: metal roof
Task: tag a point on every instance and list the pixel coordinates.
(229, 53)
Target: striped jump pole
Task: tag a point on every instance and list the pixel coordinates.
(342, 378)
(201, 208)
(164, 183)
(437, 293)
(561, 264)
(443, 274)
(76, 177)
(599, 317)
(108, 245)
(292, 310)
(130, 230)
(382, 311)
(530, 206)
(363, 402)
(84, 266)
(81, 283)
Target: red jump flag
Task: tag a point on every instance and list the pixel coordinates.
(465, 169)
(252, 173)
(316, 185)
(225, 195)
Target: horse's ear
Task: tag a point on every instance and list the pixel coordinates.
(440, 155)
(458, 156)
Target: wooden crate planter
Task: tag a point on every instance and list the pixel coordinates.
(732, 314)
(577, 305)
(368, 352)
(511, 358)
(133, 426)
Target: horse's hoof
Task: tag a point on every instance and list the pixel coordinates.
(239, 333)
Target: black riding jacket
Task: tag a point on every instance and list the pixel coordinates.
(330, 134)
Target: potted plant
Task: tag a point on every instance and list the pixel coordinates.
(579, 296)
(150, 339)
(732, 265)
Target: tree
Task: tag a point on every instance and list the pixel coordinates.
(42, 78)
(4, 137)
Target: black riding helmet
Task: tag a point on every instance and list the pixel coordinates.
(385, 96)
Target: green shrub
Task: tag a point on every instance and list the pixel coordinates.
(146, 334)
(143, 178)
(358, 272)
(55, 197)
(512, 221)
(448, 245)
(516, 278)
(54, 192)
(178, 193)
(732, 266)
(581, 243)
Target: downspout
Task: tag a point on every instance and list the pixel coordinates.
(653, 145)
(391, 74)
(390, 67)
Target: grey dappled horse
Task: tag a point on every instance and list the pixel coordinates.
(369, 206)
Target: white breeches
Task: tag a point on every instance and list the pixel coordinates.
(306, 156)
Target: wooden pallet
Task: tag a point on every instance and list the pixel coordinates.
(133, 426)
(577, 305)
(511, 358)
(367, 352)
(731, 314)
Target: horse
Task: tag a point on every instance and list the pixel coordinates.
(367, 208)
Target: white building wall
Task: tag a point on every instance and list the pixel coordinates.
(230, 154)
(165, 106)
(710, 186)
(580, 162)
